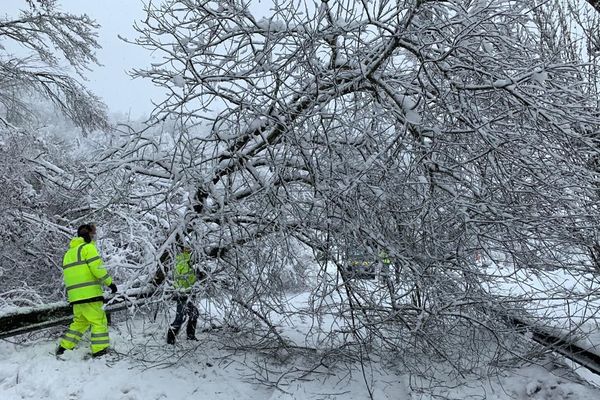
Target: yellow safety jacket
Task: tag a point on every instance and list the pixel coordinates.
(384, 258)
(183, 276)
(84, 272)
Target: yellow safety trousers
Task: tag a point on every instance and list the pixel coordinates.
(87, 315)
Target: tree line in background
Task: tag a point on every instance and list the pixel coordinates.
(433, 132)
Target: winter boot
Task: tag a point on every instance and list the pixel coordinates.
(191, 327)
(171, 333)
(100, 353)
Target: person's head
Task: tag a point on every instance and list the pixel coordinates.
(87, 232)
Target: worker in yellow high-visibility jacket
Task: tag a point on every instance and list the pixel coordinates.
(84, 274)
(184, 277)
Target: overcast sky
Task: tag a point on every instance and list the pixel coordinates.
(110, 81)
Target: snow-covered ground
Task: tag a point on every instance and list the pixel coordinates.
(564, 304)
(145, 368)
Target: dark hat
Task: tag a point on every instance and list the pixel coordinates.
(85, 231)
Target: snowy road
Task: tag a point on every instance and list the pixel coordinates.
(146, 369)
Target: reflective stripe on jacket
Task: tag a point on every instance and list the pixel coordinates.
(184, 275)
(83, 271)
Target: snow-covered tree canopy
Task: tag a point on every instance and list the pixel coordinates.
(36, 49)
(436, 92)
(458, 139)
(436, 132)
(43, 53)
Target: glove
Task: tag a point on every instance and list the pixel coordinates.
(113, 288)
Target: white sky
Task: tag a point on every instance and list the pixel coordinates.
(111, 82)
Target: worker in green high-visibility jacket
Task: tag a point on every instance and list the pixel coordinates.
(386, 264)
(184, 277)
(84, 274)
(384, 258)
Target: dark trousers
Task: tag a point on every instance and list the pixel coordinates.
(185, 310)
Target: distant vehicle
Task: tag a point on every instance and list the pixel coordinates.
(365, 265)
(361, 266)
